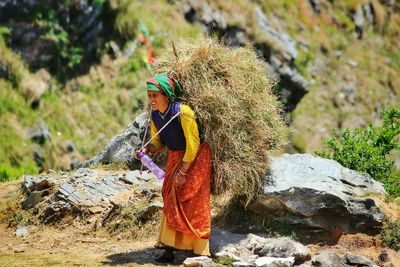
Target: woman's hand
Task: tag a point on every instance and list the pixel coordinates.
(180, 178)
(147, 150)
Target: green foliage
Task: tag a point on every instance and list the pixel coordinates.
(54, 31)
(4, 31)
(303, 60)
(8, 172)
(225, 260)
(391, 234)
(274, 227)
(365, 150)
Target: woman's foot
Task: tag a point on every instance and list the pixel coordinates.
(166, 257)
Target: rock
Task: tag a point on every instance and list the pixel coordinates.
(359, 21)
(274, 262)
(242, 264)
(132, 177)
(70, 146)
(40, 133)
(198, 262)
(282, 247)
(21, 231)
(38, 156)
(149, 211)
(32, 183)
(352, 63)
(247, 248)
(3, 71)
(121, 146)
(55, 211)
(328, 259)
(34, 198)
(384, 256)
(316, 195)
(315, 6)
(358, 260)
(19, 250)
(86, 192)
(281, 39)
(35, 86)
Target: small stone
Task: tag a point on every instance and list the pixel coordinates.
(384, 256)
(197, 261)
(21, 231)
(19, 250)
(274, 262)
(242, 264)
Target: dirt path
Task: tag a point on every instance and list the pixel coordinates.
(72, 246)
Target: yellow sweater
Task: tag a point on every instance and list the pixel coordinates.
(190, 130)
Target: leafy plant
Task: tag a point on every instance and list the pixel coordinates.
(4, 31)
(365, 150)
(391, 234)
(54, 31)
(8, 172)
(275, 227)
(225, 260)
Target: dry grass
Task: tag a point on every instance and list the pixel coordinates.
(379, 14)
(230, 92)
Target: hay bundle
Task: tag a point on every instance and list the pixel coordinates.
(231, 95)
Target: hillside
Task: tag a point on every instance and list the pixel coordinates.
(72, 72)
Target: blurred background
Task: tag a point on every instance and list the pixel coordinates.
(73, 72)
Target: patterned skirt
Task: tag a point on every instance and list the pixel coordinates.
(186, 219)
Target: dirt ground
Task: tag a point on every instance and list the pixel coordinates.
(76, 244)
(50, 246)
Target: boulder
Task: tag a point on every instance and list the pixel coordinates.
(249, 248)
(40, 134)
(89, 192)
(326, 258)
(121, 146)
(319, 196)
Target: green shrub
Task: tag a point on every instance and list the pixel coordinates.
(225, 260)
(8, 172)
(391, 234)
(365, 150)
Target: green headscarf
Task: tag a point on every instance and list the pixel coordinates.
(164, 84)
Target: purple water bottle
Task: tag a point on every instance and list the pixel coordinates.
(148, 162)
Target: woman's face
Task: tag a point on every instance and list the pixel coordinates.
(157, 100)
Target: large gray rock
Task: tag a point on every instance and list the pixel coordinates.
(89, 193)
(249, 248)
(319, 196)
(281, 39)
(121, 146)
(326, 258)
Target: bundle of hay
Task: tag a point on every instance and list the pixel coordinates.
(230, 92)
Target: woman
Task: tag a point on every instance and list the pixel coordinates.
(185, 221)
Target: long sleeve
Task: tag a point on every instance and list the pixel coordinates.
(156, 141)
(191, 132)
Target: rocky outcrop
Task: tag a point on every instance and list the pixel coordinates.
(326, 258)
(279, 51)
(248, 248)
(121, 146)
(91, 194)
(319, 196)
(58, 34)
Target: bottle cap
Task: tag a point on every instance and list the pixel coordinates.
(140, 154)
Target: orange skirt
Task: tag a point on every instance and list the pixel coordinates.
(186, 220)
